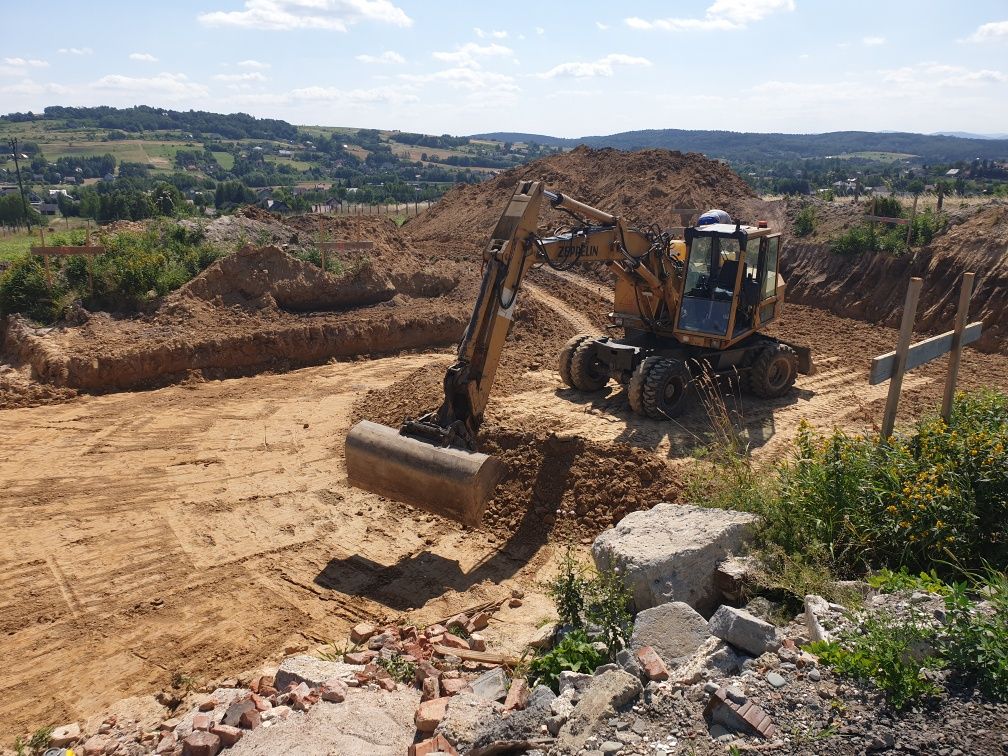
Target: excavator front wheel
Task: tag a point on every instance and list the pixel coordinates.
(587, 372)
(635, 390)
(774, 371)
(666, 384)
(566, 355)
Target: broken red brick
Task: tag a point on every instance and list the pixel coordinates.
(431, 689)
(430, 713)
(480, 621)
(249, 720)
(362, 632)
(477, 642)
(518, 694)
(452, 685)
(96, 745)
(435, 630)
(228, 735)
(261, 704)
(386, 683)
(359, 657)
(424, 670)
(209, 705)
(166, 744)
(201, 722)
(201, 744)
(437, 744)
(747, 717)
(652, 664)
(333, 691)
(453, 641)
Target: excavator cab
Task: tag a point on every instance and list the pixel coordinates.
(729, 283)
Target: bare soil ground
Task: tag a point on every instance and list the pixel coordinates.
(202, 527)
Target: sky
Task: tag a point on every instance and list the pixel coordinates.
(561, 68)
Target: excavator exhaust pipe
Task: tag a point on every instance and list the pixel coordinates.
(442, 480)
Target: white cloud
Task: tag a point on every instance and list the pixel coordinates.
(389, 56)
(26, 63)
(259, 66)
(466, 78)
(501, 34)
(872, 41)
(995, 31)
(330, 15)
(167, 85)
(600, 26)
(924, 76)
(540, 31)
(721, 15)
(354, 96)
(145, 57)
(31, 88)
(248, 76)
(601, 67)
(75, 51)
(467, 54)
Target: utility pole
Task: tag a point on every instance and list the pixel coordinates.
(17, 169)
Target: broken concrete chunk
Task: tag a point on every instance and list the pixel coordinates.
(312, 671)
(674, 630)
(744, 630)
(576, 680)
(491, 685)
(543, 637)
(606, 695)
(65, 735)
(816, 611)
(466, 717)
(671, 552)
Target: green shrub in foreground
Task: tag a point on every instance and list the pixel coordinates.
(930, 499)
(575, 653)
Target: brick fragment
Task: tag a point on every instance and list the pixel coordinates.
(359, 657)
(333, 691)
(452, 685)
(477, 642)
(209, 705)
(518, 694)
(431, 689)
(166, 744)
(424, 670)
(96, 745)
(652, 664)
(201, 721)
(453, 641)
(480, 621)
(362, 632)
(435, 630)
(249, 720)
(201, 744)
(228, 735)
(261, 704)
(437, 744)
(430, 713)
(748, 717)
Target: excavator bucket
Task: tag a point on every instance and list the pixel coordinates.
(443, 480)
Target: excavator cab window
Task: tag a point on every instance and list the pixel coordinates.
(711, 271)
(749, 292)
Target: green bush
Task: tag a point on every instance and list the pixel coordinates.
(585, 597)
(887, 207)
(574, 653)
(927, 225)
(975, 642)
(887, 581)
(888, 653)
(934, 497)
(805, 221)
(158, 259)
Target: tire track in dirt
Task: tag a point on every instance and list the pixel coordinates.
(580, 323)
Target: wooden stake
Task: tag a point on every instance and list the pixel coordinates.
(902, 347)
(962, 313)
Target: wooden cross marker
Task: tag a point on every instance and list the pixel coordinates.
(893, 365)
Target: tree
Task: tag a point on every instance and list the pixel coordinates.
(167, 199)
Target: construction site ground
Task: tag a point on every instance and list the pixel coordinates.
(197, 530)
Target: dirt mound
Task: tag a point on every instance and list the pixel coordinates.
(641, 186)
(267, 277)
(872, 286)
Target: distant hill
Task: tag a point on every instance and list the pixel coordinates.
(749, 146)
(970, 135)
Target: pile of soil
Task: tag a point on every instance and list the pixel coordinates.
(872, 286)
(641, 186)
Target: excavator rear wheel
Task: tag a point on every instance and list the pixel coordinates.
(586, 371)
(774, 371)
(635, 391)
(564, 362)
(666, 384)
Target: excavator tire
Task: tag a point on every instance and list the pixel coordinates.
(774, 371)
(666, 385)
(586, 372)
(564, 362)
(635, 391)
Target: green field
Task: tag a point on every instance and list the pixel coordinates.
(885, 157)
(224, 159)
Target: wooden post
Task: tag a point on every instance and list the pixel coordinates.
(941, 196)
(913, 214)
(902, 347)
(962, 313)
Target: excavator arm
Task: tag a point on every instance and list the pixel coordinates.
(432, 461)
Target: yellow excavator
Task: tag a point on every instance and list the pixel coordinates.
(685, 307)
